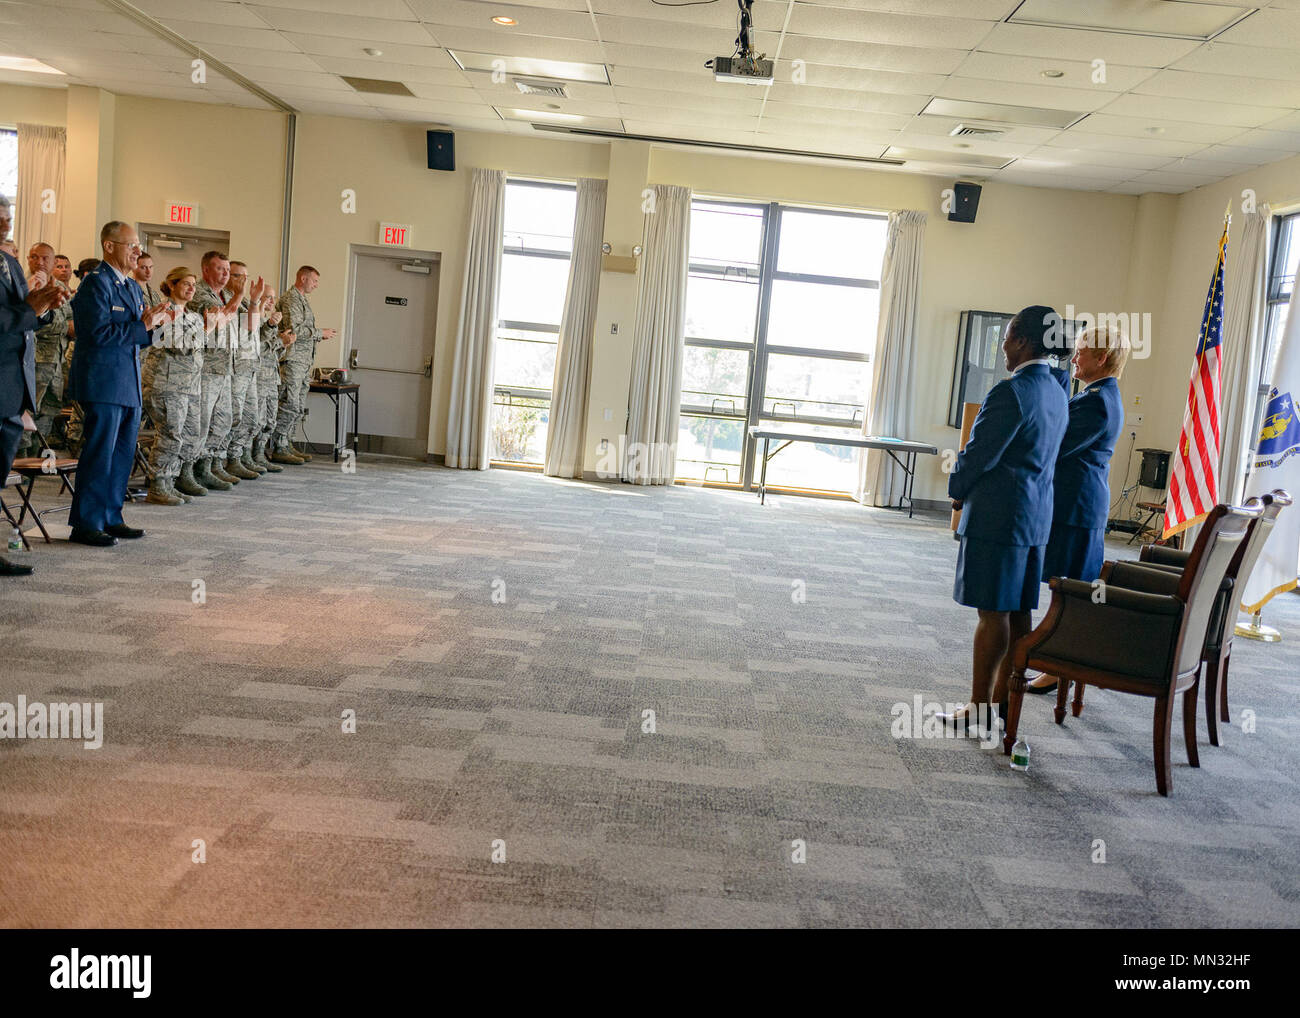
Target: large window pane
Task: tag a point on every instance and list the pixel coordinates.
(532, 289)
(539, 218)
(519, 428)
(717, 309)
(821, 244)
(823, 317)
(525, 363)
(815, 387)
(715, 380)
(710, 448)
(726, 234)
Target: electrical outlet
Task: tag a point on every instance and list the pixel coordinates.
(604, 444)
(1137, 400)
(613, 328)
(609, 414)
(1136, 420)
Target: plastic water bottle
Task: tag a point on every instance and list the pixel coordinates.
(16, 540)
(1020, 754)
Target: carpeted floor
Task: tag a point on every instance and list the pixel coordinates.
(499, 636)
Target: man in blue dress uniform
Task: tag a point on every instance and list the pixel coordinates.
(1002, 482)
(20, 314)
(112, 323)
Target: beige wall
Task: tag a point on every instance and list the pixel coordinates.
(1098, 252)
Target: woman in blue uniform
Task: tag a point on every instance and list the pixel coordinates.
(1080, 489)
(1003, 485)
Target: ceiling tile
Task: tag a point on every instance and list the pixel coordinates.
(889, 29)
(1274, 29)
(421, 50)
(208, 11)
(1163, 146)
(1017, 94)
(360, 30)
(1160, 108)
(1078, 74)
(860, 80)
(534, 21)
(1075, 44)
(514, 45)
(846, 99)
(705, 42)
(365, 68)
(207, 35)
(841, 53)
(1221, 58)
(1222, 88)
(262, 57)
(397, 10)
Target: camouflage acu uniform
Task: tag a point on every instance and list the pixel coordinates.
(171, 376)
(72, 430)
(268, 379)
(51, 345)
(243, 389)
(211, 432)
(295, 372)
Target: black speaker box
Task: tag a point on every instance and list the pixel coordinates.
(965, 202)
(442, 150)
(1155, 468)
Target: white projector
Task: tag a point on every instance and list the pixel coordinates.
(752, 70)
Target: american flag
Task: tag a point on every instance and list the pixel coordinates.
(1194, 480)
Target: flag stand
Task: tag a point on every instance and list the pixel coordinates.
(1256, 630)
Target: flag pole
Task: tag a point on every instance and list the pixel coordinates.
(1256, 630)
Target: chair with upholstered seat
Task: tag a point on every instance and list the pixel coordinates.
(1141, 631)
(1223, 623)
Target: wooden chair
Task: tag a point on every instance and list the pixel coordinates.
(13, 480)
(1142, 633)
(1217, 652)
(28, 468)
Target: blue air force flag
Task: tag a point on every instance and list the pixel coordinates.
(1277, 465)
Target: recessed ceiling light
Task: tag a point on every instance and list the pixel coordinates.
(27, 64)
(1155, 130)
(370, 51)
(1053, 73)
(502, 19)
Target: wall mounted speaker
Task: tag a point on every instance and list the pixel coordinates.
(442, 150)
(965, 202)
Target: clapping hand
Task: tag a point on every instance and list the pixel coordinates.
(288, 337)
(259, 288)
(160, 314)
(46, 298)
(38, 279)
(327, 333)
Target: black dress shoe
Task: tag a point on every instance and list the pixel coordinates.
(1041, 690)
(122, 530)
(8, 568)
(94, 538)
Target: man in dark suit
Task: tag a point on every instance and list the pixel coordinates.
(20, 313)
(112, 323)
(1003, 485)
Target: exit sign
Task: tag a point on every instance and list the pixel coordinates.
(180, 213)
(395, 234)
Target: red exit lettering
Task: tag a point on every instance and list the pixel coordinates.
(394, 235)
(181, 213)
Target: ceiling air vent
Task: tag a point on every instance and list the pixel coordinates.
(377, 86)
(967, 131)
(550, 87)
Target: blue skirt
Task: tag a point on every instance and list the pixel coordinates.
(1074, 552)
(997, 577)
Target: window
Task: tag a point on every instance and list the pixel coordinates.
(530, 303)
(781, 308)
(9, 171)
(1281, 281)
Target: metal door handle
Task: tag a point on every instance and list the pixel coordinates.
(352, 359)
(428, 367)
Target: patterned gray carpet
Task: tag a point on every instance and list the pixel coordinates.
(499, 637)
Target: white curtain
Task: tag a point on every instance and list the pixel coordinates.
(1243, 312)
(566, 435)
(469, 442)
(39, 215)
(880, 479)
(655, 396)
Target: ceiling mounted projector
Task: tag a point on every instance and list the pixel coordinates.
(744, 65)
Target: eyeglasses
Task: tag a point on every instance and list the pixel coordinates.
(121, 243)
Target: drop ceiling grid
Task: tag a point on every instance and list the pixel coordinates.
(1222, 106)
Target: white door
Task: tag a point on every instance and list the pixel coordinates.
(394, 315)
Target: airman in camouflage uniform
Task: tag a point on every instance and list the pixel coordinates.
(295, 371)
(210, 429)
(170, 377)
(243, 387)
(274, 344)
(51, 342)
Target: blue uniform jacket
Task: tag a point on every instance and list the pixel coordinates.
(1081, 490)
(1004, 475)
(106, 311)
(17, 343)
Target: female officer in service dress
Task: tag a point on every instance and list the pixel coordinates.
(1081, 491)
(1003, 484)
(170, 377)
